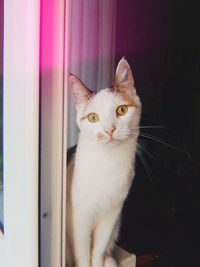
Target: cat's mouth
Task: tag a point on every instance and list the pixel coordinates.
(103, 137)
(106, 138)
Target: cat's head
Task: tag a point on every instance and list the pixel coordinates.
(112, 115)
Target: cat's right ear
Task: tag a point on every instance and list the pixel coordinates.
(80, 92)
(123, 75)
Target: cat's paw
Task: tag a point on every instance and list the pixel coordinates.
(110, 262)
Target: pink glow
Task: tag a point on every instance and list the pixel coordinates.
(50, 39)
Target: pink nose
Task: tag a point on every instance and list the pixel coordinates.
(111, 130)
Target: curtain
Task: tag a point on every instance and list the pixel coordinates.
(92, 49)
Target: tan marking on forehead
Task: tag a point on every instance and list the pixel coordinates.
(123, 93)
(126, 96)
(131, 101)
(100, 136)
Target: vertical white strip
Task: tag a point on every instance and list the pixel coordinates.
(21, 134)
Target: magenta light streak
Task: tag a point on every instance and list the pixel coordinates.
(50, 39)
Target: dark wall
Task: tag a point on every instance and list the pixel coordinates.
(161, 41)
(142, 37)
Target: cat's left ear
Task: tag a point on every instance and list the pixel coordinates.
(124, 78)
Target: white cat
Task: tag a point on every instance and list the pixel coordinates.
(104, 167)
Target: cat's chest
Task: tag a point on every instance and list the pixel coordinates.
(105, 174)
(104, 162)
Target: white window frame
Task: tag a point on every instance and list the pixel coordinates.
(23, 236)
(19, 242)
(53, 144)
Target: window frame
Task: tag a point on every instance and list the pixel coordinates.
(19, 243)
(53, 133)
(1, 100)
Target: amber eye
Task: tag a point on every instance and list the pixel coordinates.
(93, 117)
(122, 110)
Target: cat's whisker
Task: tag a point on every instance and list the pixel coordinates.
(150, 127)
(142, 148)
(160, 140)
(145, 150)
(144, 162)
(148, 170)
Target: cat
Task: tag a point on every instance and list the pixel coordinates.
(100, 176)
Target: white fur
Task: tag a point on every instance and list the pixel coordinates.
(102, 176)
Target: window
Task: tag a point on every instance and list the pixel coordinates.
(1, 114)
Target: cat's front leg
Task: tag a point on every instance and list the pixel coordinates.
(82, 240)
(102, 235)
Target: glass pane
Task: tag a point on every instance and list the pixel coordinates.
(1, 114)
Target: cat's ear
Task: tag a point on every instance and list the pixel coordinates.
(80, 92)
(124, 78)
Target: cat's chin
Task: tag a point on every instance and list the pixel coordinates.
(112, 142)
(109, 141)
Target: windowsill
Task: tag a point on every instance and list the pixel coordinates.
(124, 258)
